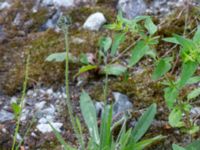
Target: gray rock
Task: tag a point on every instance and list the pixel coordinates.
(40, 105)
(132, 8)
(94, 21)
(6, 116)
(121, 104)
(52, 21)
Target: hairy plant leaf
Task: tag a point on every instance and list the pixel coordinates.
(85, 69)
(170, 95)
(162, 67)
(138, 52)
(188, 69)
(150, 26)
(105, 131)
(177, 147)
(175, 117)
(84, 59)
(60, 57)
(144, 123)
(193, 94)
(114, 69)
(89, 114)
(171, 40)
(118, 39)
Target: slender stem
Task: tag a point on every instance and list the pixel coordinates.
(22, 101)
(68, 102)
(106, 82)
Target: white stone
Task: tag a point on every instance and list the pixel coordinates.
(4, 5)
(94, 21)
(58, 3)
(49, 91)
(13, 100)
(46, 128)
(40, 105)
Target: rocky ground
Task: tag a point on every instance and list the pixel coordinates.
(30, 27)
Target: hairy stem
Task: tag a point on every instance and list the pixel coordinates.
(22, 101)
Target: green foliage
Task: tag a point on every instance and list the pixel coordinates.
(176, 147)
(138, 52)
(60, 57)
(89, 115)
(115, 69)
(85, 69)
(144, 123)
(162, 67)
(193, 94)
(118, 39)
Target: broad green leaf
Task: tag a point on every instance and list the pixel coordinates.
(193, 94)
(175, 117)
(177, 147)
(171, 40)
(192, 130)
(196, 37)
(61, 139)
(145, 143)
(118, 39)
(144, 123)
(188, 69)
(114, 69)
(170, 95)
(60, 57)
(187, 44)
(84, 59)
(89, 114)
(193, 80)
(16, 109)
(162, 67)
(152, 53)
(105, 44)
(85, 69)
(105, 131)
(124, 138)
(194, 145)
(138, 52)
(150, 26)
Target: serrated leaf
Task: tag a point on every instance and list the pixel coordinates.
(118, 39)
(114, 69)
(60, 57)
(193, 94)
(188, 69)
(171, 40)
(175, 117)
(89, 114)
(162, 67)
(177, 147)
(144, 123)
(138, 52)
(85, 69)
(150, 26)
